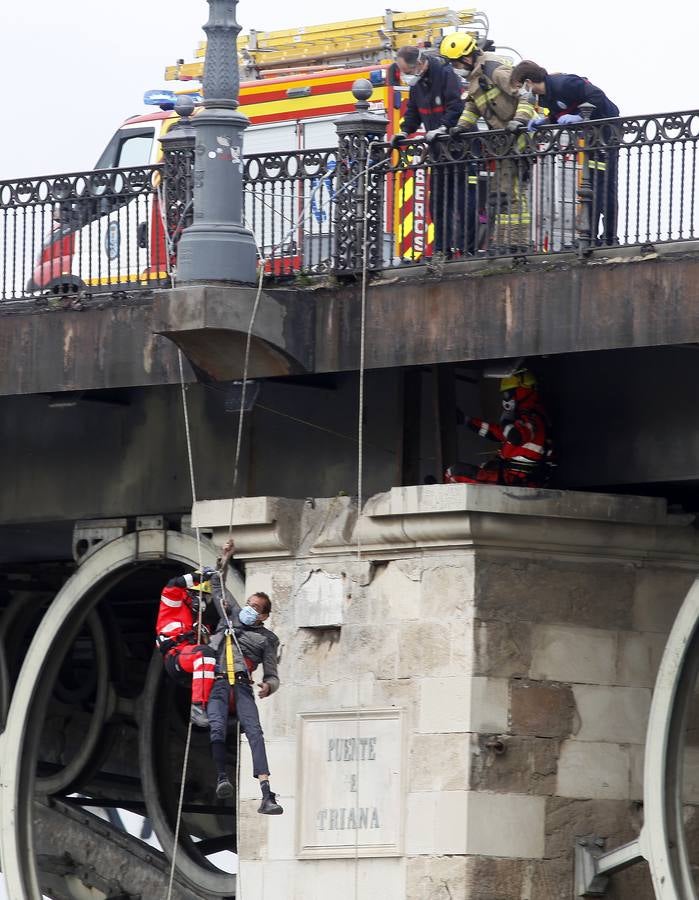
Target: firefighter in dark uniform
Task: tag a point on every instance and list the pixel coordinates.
(561, 95)
(242, 643)
(435, 102)
(525, 455)
(176, 637)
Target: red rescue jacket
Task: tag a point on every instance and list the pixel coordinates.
(526, 441)
(175, 616)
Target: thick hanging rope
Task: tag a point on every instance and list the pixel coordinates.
(170, 242)
(244, 389)
(185, 760)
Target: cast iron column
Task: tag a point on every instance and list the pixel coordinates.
(360, 139)
(178, 167)
(217, 246)
(584, 224)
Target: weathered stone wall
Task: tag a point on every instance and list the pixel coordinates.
(534, 619)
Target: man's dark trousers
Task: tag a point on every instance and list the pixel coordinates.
(248, 716)
(604, 195)
(452, 208)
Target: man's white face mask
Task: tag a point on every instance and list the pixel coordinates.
(526, 91)
(410, 80)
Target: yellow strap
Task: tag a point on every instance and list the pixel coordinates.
(600, 166)
(230, 665)
(482, 98)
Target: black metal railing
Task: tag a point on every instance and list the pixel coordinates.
(289, 206)
(612, 183)
(619, 182)
(84, 231)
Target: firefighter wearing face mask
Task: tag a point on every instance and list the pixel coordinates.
(492, 97)
(435, 101)
(561, 96)
(525, 455)
(181, 601)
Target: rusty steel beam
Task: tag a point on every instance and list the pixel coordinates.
(71, 843)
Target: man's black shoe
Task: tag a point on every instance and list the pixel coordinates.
(269, 805)
(224, 789)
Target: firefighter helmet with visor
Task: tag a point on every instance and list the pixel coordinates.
(457, 44)
(523, 379)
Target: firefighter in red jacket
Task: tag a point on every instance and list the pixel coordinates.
(524, 434)
(177, 639)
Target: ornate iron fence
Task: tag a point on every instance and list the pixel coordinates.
(84, 231)
(289, 206)
(617, 182)
(606, 183)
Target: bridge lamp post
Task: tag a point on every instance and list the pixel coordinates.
(218, 246)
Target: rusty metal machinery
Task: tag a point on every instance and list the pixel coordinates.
(95, 732)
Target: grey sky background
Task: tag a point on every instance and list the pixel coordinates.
(75, 69)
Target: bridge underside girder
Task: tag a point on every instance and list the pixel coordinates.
(469, 315)
(73, 846)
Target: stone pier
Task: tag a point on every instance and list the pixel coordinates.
(466, 678)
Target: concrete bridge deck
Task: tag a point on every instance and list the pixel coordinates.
(475, 311)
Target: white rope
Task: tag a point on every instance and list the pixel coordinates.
(241, 419)
(246, 366)
(185, 760)
(360, 478)
(192, 481)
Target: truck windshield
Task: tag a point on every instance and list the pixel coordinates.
(135, 150)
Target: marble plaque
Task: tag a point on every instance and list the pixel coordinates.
(350, 783)
(320, 600)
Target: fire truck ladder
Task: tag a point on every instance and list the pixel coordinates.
(350, 44)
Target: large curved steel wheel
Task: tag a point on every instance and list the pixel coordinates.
(663, 839)
(91, 686)
(41, 682)
(4, 689)
(162, 733)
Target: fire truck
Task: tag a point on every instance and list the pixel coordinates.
(294, 84)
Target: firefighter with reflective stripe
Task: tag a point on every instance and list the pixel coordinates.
(176, 637)
(435, 102)
(525, 455)
(242, 642)
(491, 97)
(561, 95)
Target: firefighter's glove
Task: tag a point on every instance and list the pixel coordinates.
(397, 138)
(197, 603)
(457, 130)
(537, 122)
(569, 119)
(435, 133)
(207, 573)
(514, 125)
(165, 644)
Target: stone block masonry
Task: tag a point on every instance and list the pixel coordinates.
(496, 648)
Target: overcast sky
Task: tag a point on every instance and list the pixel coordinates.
(75, 69)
